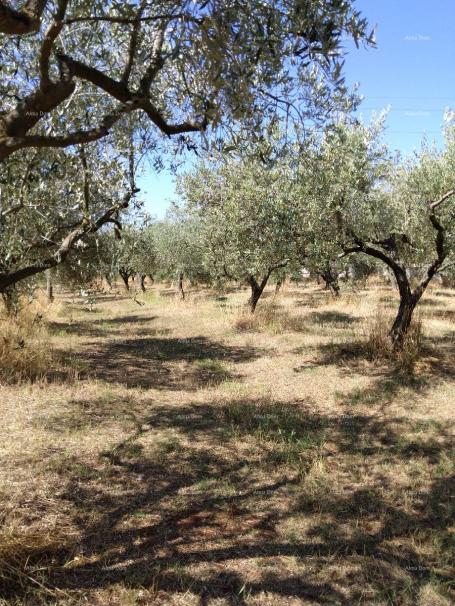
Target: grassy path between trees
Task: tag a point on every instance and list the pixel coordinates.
(194, 457)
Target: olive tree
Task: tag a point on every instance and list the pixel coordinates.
(251, 223)
(396, 212)
(77, 72)
(48, 206)
(134, 254)
(181, 251)
(182, 64)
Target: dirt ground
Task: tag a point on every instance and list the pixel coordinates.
(192, 457)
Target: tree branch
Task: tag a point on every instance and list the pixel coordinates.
(17, 122)
(83, 229)
(128, 21)
(112, 87)
(187, 126)
(46, 48)
(156, 62)
(120, 91)
(442, 199)
(441, 252)
(133, 43)
(12, 144)
(398, 271)
(84, 163)
(24, 21)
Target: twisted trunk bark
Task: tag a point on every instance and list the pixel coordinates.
(10, 300)
(331, 281)
(125, 277)
(180, 291)
(257, 288)
(49, 286)
(406, 308)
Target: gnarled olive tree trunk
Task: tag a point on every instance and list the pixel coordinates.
(387, 251)
(49, 286)
(257, 288)
(331, 281)
(108, 280)
(409, 298)
(10, 300)
(408, 302)
(180, 291)
(125, 275)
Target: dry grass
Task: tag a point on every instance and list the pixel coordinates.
(269, 317)
(26, 561)
(199, 461)
(379, 346)
(24, 354)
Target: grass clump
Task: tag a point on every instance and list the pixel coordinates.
(26, 562)
(270, 317)
(24, 350)
(212, 371)
(288, 435)
(379, 345)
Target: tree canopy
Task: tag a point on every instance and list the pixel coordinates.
(182, 65)
(125, 74)
(247, 212)
(52, 199)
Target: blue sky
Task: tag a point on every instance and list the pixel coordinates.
(411, 71)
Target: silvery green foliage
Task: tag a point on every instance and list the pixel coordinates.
(134, 253)
(417, 182)
(340, 183)
(45, 195)
(85, 265)
(248, 214)
(182, 64)
(180, 247)
(361, 193)
(74, 72)
(400, 214)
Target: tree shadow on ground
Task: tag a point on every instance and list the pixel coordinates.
(196, 514)
(430, 302)
(314, 299)
(434, 363)
(77, 300)
(163, 363)
(444, 314)
(334, 318)
(444, 293)
(100, 328)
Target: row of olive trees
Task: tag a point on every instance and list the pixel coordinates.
(77, 114)
(270, 207)
(340, 195)
(168, 250)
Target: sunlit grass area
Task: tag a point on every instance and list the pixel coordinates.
(183, 452)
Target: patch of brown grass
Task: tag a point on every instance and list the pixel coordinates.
(24, 351)
(27, 559)
(379, 345)
(262, 467)
(269, 317)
